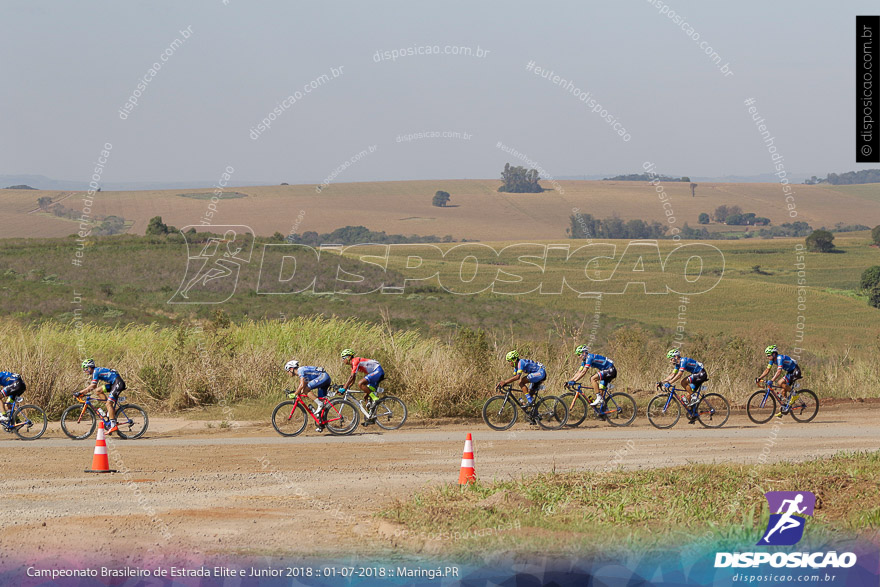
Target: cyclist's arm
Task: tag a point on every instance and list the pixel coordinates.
(92, 386)
(779, 374)
(580, 373)
(764, 373)
(518, 375)
(302, 385)
(676, 375)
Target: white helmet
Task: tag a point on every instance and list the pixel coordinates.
(292, 364)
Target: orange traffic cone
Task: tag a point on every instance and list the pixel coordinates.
(468, 474)
(100, 462)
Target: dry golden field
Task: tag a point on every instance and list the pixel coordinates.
(477, 210)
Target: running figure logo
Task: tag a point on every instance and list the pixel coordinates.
(786, 525)
(213, 265)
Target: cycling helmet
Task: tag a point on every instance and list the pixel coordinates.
(292, 364)
(88, 363)
(581, 349)
(771, 349)
(512, 356)
(673, 353)
(346, 353)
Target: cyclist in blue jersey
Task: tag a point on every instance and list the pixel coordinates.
(529, 373)
(11, 387)
(313, 381)
(605, 372)
(787, 370)
(111, 386)
(682, 365)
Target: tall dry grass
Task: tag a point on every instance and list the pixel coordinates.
(200, 364)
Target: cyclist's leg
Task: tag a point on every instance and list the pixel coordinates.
(598, 384)
(535, 380)
(318, 388)
(525, 388)
(114, 390)
(373, 379)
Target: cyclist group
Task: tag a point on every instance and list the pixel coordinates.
(314, 381)
(531, 374)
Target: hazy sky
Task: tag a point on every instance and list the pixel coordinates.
(68, 68)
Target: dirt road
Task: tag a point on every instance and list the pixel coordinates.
(189, 488)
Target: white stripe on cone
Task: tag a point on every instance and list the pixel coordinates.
(467, 463)
(100, 450)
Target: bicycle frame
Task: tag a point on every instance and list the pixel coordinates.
(508, 397)
(578, 389)
(8, 424)
(784, 403)
(301, 402)
(689, 409)
(349, 395)
(87, 402)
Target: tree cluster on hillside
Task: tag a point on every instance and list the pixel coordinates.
(585, 226)
(875, 235)
(519, 180)
(786, 229)
(155, 227)
(841, 227)
(854, 177)
(820, 241)
(19, 187)
(647, 177)
(441, 198)
(870, 285)
(99, 225)
(353, 235)
(734, 216)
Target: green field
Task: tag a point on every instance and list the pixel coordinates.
(122, 288)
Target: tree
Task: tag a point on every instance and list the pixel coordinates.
(694, 190)
(156, 227)
(820, 241)
(721, 214)
(686, 179)
(874, 296)
(440, 199)
(870, 278)
(875, 235)
(44, 202)
(519, 180)
(703, 218)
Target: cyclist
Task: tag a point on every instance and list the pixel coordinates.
(11, 387)
(373, 375)
(529, 373)
(112, 385)
(605, 372)
(682, 365)
(787, 371)
(313, 381)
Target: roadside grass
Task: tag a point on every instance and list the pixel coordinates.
(688, 506)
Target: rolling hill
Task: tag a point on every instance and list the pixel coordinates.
(477, 211)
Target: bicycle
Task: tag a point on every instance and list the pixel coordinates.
(802, 404)
(711, 409)
(27, 421)
(501, 411)
(338, 415)
(80, 420)
(388, 412)
(618, 409)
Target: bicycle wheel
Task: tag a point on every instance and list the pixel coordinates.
(713, 410)
(499, 413)
(30, 422)
(132, 421)
(805, 406)
(659, 415)
(577, 411)
(760, 410)
(289, 418)
(390, 413)
(78, 421)
(620, 409)
(551, 412)
(342, 416)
